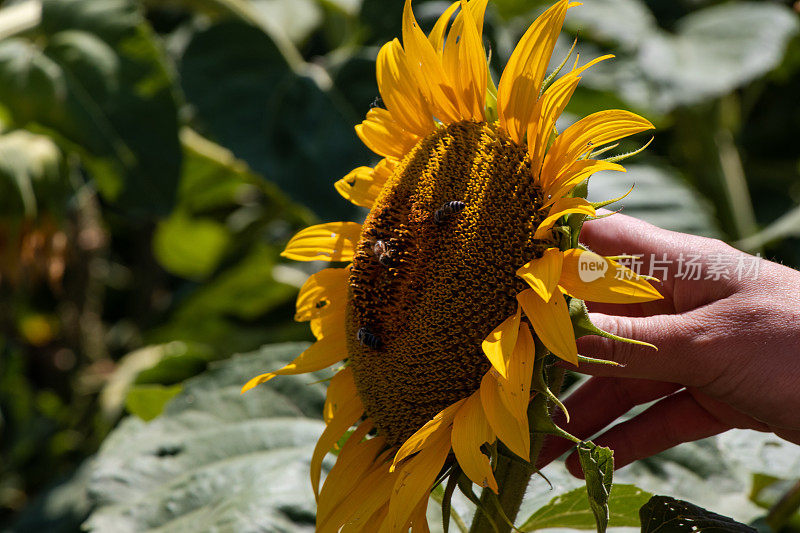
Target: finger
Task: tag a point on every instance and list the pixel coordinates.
(681, 261)
(596, 404)
(681, 341)
(676, 419)
(656, 307)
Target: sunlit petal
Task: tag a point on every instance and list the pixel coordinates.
(607, 282)
(470, 431)
(550, 320)
(500, 342)
(542, 273)
(334, 241)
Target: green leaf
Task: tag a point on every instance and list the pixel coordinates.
(217, 313)
(572, 510)
(152, 360)
(763, 453)
(93, 75)
(216, 459)
(284, 126)
(148, 401)
(659, 196)
(188, 246)
(712, 52)
(597, 464)
(668, 515)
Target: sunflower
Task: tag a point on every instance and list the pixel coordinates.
(461, 287)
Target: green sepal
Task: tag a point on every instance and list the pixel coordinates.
(549, 79)
(491, 94)
(575, 220)
(582, 325)
(620, 157)
(447, 498)
(539, 420)
(500, 510)
(597, 464)
(595, 361)
(601, 151)
(598, 205)
(465, 485)
(539, 383)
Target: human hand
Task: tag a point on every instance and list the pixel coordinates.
(728, 349)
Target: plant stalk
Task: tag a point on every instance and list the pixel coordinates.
(786, 507)
(512, 478)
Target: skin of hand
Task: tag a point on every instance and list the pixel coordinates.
(728, 349)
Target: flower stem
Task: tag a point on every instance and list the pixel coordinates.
(513, 476)
(512, 479)
(787, 506)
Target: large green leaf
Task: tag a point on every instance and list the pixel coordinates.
(668, 515)
(659, 196)
(708, 473)
(216, 460)
(572, 510)
(625, 22)
(712, 52)
(283, 125)
(761, 453)
(93, 74)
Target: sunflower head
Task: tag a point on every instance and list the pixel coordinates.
(435, 271)
(461, 278)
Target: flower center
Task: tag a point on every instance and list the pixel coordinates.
(434, 272)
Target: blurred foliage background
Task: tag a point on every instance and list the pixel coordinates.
(155, 156)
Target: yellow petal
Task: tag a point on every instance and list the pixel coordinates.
(522, 78)
(347, 415)
(510, 428)
(322, 354)
(334, 241)
(329, 324)
(430, 431)
(588, 134)
(362, 185)
(575, 174)
(381, 133)
(516, 391)
(341, 390)
(436, 36)
(400, 92)
(370, 494)
(548, 109)
(419, 518)
(561, 207)
(414, 479)
(470, 431)
(425, 65)
(551, 322)
(500, 342)
(464, 63)
(323, 291)
(352, 465)
(606, 280)
(542, 274)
